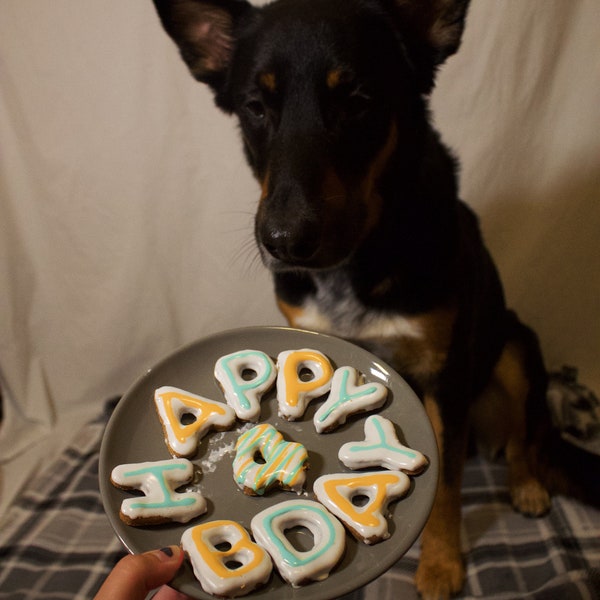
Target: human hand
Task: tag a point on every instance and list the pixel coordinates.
(135, 575)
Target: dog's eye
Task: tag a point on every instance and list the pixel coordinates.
(256, 109)
(357, 104)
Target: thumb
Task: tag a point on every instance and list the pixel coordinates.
(136, 575)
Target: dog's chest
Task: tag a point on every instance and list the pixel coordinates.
(416, 346)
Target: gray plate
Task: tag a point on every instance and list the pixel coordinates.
(134, 435)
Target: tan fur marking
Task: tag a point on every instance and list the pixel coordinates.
(292, 313)
(499, 422)
(372, 199)
(441, 572)
(264, 186)
(334, 78)
(424, 357)
(268, 81)
(527, 493)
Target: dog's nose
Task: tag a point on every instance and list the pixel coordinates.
(292, 247)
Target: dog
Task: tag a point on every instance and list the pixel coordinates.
(360, 222)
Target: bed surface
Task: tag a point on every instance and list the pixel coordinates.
(507, 555)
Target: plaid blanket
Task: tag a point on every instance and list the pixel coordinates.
(56, 543)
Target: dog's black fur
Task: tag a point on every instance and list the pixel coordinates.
(360, 222)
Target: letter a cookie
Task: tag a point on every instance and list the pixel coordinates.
(172, 404)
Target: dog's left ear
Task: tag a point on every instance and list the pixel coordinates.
(432, 31)
(204, 31)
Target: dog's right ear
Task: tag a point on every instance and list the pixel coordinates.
(204, 31)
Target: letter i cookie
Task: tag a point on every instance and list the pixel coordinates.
(294, 391)
(244, 377)
(340, 493)
(161, 503)
(381, 448)
(182, 439)
(348, 396)
(225, 560)
(295, 566)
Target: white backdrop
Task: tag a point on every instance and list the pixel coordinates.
(126, 206)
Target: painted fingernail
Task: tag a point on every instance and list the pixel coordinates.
(167, 553)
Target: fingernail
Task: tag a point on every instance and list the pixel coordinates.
(167, 553)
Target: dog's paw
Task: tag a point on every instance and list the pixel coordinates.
(439, 579)
(530, 498)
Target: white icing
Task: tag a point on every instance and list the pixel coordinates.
(295, 566)
(235, 570)
(367, 522)
(244, 394)
(348, 396)
(381, 448)
(158, 481)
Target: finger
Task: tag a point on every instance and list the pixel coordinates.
(135, 575)
(167, 593)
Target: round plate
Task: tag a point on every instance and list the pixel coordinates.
(134, 434)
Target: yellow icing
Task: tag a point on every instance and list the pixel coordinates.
(294, 385)
(216, 559)
(365, 515)
(206, 410)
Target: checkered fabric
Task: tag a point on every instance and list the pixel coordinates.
(56, 543)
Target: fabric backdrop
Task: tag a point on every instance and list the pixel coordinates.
(126, 206)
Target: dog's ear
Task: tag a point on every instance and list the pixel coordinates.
(204, 31)
(432, 31)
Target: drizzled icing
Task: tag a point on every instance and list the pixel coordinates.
(295, 566)
(381, 448)
(294, 392)
(173, 403)
(214, 546)
(348, 396)
(158, 481)
(284, 465)
(241, 393)
(225, 560)
(367, 522)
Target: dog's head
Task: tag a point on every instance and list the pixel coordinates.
(328, 94)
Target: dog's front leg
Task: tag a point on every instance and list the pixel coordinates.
(441, 571)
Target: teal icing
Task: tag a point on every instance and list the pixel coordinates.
(240, 389)
(345, 396)
(383, 444)
(294, 558)
(168, 500)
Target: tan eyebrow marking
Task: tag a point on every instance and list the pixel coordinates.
(334, 78)
(268, 81)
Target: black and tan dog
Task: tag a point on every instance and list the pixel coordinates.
(360, 223)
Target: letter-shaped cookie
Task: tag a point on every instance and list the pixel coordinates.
(348, 396)
(161, 503)
(339, 492)
(295, 566)
(284, 462)
(294, 392)
(173, 403)
(244, 393)
(225, 560)
(381, 448)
